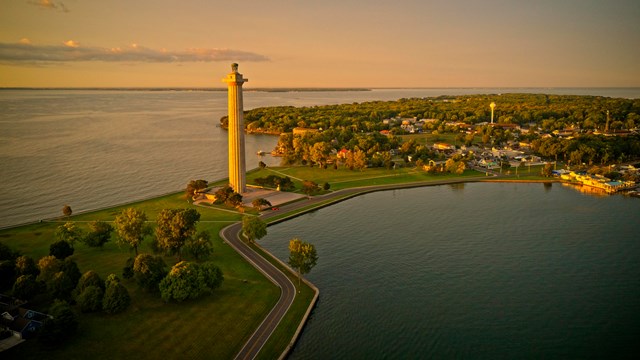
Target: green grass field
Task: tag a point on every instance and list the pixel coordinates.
(214, 326)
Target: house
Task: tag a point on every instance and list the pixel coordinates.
(22, 322)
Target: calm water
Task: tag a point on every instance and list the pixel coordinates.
(92, 149)
(477, 271)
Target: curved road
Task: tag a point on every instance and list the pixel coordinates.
(231, 235)
(261, 335)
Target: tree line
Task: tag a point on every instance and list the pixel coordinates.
(356, 127)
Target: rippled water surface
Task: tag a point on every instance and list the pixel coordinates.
(97, 148)
(472, 271)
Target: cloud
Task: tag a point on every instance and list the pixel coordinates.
(51, 5)
(24, 52)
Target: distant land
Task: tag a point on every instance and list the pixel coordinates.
(311, 89)
(182, 89)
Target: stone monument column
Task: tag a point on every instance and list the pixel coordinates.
(237, 167)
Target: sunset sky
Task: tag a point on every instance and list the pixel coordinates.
(329, 43)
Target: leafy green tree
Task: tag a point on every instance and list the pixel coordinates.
(63, 282)
(149, 270)
(26, 266)
(48, 266)
(61, 326)
(89, 278)
(61, 249)
(234, 200)
(116, 297)
(66, 210)
(253, 228)
(309, 187)
(326, 186)
(196, 185)
(223, 193)
(99, 234)
(174, 228)
(302, 256)
(320, 152)
(260, 202)
(213, 276)
(26, 287)
(199, 246)
(547, 170)
(90, 299)
(69, 232)
(189, 280)
(184, 281)
(131, 226)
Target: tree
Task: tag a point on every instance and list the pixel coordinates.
(302, 256)
(69, 232)
(174, 228)
(199, 246)
(184, 281)
(62, 283)
(196, 185)
(309, 187)
(262, 165)
(26, 287)
(131, 227)
(99, 235)
(149, 270)
(61, 249)
(234, 200)
(546, 170)
(90, 299)
(48, 266)
(66, 210)
(326, 186)
(213, 276)
(89, 278)
(26, 266)
(253, 228)
(62, 324)
(116, 297)
(260, 202)
(189, 280)
(223, 193)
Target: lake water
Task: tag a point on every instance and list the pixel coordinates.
(97, 148)
(472, 271)
(469, 271)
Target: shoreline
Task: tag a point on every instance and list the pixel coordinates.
(298, 208)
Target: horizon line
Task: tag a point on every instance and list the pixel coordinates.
(301, 88)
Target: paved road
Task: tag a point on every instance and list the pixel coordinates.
(231, 236)
(287, 295)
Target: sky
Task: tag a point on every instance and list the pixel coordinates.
(328, 43)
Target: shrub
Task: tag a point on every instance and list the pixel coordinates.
(90, 299)
(116, 297)
(61, 249)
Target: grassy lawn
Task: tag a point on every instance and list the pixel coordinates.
(214, 326)
(343, 178)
